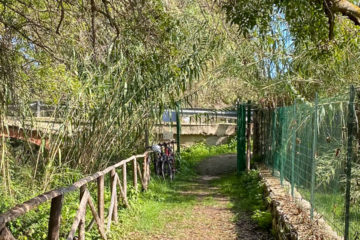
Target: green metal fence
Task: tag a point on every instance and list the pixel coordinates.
(241, 137)
(312, 148)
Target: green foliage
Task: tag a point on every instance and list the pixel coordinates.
(110, 75)
(293, 55)
(306, 19)
(263, 218)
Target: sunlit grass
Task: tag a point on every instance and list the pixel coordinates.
(331, 205)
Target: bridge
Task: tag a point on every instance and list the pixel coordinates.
(209, 125)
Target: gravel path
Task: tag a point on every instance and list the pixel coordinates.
(212, 218)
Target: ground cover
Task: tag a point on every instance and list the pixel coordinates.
(191, 207)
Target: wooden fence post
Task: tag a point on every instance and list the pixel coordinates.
(100, 185)
(55, 218)
(80, 216)
(82, 220)
(115, 210)
(145, 173)
(148, 167)
(125, 182)
(5, 234)
(135, 175)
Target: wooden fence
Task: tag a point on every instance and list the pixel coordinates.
(57, 196)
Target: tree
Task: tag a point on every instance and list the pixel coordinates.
(108, 67)
(306, 18)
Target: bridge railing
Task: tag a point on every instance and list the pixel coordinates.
(189, 115)
(37, 108)
(141, 173)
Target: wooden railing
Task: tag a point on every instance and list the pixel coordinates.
(98, 213)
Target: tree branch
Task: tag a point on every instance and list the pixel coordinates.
(346, 8)
(93, 9)
(61, 17)
(331, 18)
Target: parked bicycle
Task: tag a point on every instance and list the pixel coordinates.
(164, 159)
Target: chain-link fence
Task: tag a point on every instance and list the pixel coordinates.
(312, 148)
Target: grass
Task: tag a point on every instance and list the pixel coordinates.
(149, 212)
(332, 206)
(190, 157)
(246, 192)
(163, 202)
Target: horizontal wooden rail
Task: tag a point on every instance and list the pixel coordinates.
(56, 196)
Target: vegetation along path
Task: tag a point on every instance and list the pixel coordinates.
(202, 206)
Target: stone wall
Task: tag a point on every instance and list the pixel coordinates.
(291, 216)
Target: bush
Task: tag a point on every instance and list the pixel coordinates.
(263, 218)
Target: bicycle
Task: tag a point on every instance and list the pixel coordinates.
(164, 159)
(168, 161)
(158, 155)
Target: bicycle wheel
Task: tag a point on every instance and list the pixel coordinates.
(157, 164)
(163, 170)
(171, 172)
(166, 169)
(172, 166)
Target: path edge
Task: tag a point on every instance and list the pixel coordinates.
(284, 227)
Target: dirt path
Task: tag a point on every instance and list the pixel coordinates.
(212, 218)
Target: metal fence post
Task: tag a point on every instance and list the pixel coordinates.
(243, 137)
(293, 149)
(313, 157)
(256, 142)
(248, 136)
(178, 128)
(282, 145)
(269, 136)
(240, 136)
(350, 155)
(273, 143)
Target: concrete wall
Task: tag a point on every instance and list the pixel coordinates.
(212, 134)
